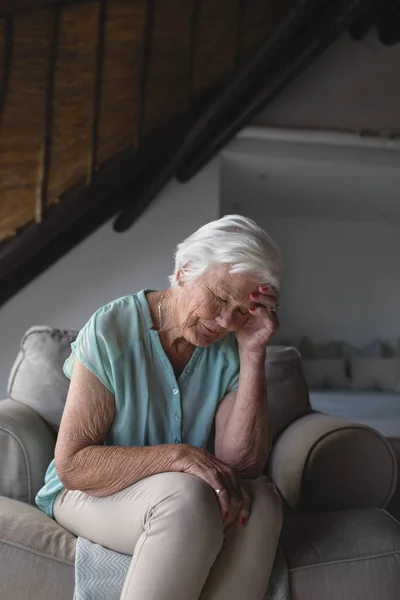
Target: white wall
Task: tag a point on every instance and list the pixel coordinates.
(354, 86)
(342, 278)
(108, 265)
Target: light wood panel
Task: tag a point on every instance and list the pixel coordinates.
(73, 106)
(23, 121)
(120, 84)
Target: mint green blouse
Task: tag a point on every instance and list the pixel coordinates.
(152, 407)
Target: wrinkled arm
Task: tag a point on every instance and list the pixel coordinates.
(83, 462)
(242, 436)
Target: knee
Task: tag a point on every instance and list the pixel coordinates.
(193, 500)
(266, 508)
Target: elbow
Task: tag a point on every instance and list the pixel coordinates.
(66, 472)
(251, 467)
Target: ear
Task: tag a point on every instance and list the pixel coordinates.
(179, 276)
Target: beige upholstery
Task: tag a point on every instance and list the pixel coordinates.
(288, 397)
(351, 555)
(26, 449)
(321, 463)
(36, 555)
(37, 377)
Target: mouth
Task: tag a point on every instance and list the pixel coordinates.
(210, 331)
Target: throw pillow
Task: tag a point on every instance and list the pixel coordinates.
(323, 373)
(372, 350)
(375, 373)
(310, 349)
(37, 377)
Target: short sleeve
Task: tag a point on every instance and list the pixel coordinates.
(95, 349)
(234, 381)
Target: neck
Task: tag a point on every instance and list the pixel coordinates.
(168, 323)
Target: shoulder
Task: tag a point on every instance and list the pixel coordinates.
(118, 324)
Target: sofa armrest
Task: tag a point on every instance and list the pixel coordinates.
(322, 463)
(26, 450)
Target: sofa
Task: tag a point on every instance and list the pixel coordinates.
(335, 480)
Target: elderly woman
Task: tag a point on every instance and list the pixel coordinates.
(165, 434)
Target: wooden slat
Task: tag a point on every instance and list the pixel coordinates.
(23, 118)
(119, 97)
(41, 198)
(216, 44)
(259, 20)
(169, 62)
(15, 6)
(6, 34)
(97, 90)
(2, 59)
(71, 141)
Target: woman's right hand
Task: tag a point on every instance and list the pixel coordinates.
(233, 496)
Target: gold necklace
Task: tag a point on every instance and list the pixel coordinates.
(159, 313)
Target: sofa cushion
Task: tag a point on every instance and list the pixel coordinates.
(37, 377)
(342, 555)
(287, 390)
(375, 373)
(26, 450)
(323, 373)
(36, 555)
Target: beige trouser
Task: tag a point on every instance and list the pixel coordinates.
(171, 524)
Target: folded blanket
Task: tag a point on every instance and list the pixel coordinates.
(100, 573)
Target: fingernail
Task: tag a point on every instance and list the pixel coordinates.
(252, 309)
(243, 521)
(264, 287)
(255, 295)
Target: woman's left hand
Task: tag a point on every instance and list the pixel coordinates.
(255, 334)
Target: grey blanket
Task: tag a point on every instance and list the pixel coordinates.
(100, 573)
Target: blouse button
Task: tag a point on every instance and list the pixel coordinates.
(178, 416)
(175, 391)
(177, 441)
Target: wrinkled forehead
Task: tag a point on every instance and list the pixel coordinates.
(237, 286)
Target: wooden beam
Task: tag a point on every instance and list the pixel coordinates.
(41, 205)
(12, 6)
(225, 102)
(320, 35)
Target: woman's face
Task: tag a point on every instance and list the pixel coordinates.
(214, 304)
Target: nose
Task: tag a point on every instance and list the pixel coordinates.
(227, 320)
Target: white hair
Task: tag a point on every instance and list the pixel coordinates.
(233, 240)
